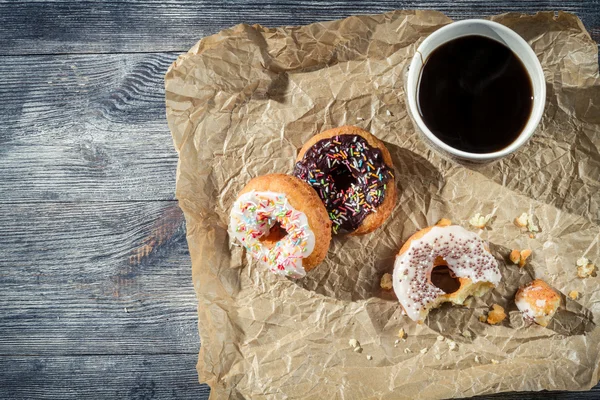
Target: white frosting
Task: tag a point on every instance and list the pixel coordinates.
(527, 309)
(255, 213)
(540, 303)
(463, 251)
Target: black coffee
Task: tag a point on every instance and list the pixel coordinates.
(475, 94)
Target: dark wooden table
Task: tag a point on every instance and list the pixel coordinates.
(96, 298)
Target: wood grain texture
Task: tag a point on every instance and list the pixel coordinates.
(85, 128)
(59, 26)
(140, 377)
(103, 278)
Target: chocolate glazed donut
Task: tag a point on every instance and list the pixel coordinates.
(351, 170)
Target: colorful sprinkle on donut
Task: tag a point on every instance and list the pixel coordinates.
(252, 217)
(350, 177)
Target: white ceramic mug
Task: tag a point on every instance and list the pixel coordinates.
(502, 34)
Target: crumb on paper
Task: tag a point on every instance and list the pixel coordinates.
(437, 357)
(467, 334)
(396, 342)
(126, 310)
(526, 220)
(532, 226)
(585, 268)
(523, 257)
(586, 271)
(521, 221)
(440, 338)
(407, 350)
(388, 113)
(401, 334)
(495, 361)
(451, 344)
(477, 359)
(423, 351)
(482, 318)
(574, 294)
(355, 344)
(480, 221)
(386, 281)
(520, 257)
(444, 222)
(497, 315)
(360, 119)
(369, 357)
(515, 256)
(582, 261)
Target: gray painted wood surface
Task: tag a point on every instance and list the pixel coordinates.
(96, 295)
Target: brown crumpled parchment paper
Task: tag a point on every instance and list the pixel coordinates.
(240, 103)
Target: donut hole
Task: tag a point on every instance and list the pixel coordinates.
(343, 179)
(276, 233)
(443, 278)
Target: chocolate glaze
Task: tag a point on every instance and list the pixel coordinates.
(349, 176)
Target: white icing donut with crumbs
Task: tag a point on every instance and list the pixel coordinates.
(464, 253)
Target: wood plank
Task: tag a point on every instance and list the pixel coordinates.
(66, 26)
(161, 376)
(103, 278)
(85, 128)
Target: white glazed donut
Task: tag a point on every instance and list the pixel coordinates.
(287, 230)
(464, 253)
